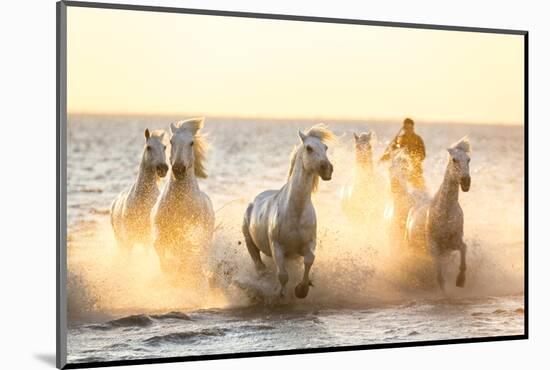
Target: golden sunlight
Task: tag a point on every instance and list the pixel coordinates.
(122, 61)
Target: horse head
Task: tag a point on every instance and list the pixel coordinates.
(363, 146)
(314, 151)
(188, 148)
(459, 163)
(154, 155)
(399, 169)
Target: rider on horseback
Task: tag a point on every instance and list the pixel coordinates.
(413, 145)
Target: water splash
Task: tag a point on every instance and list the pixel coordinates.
(356, 265)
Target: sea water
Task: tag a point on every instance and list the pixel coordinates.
(366, 289)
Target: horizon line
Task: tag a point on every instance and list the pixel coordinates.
(296, 118)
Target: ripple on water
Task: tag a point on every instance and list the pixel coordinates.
(174, 315)
(133, 321)
(184, 337)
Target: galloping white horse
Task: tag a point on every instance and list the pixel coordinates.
(183, 217)
(439, 226)
(361, 199)
(282, 223)
(131, 209)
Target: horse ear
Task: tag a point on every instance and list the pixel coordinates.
(355, 136)
(147, 133)
(372, 137)
(173, 128)
(200, 123)
(302, 136)
(451, 151)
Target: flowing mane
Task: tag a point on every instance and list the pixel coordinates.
(200, 144)
(463, 145)
(319, 131)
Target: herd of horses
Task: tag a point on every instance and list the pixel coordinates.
(282, 223)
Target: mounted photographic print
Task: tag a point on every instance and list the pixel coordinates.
(237, 184)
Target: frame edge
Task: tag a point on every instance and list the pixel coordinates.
(61, 176)
(288, 17)
(61, 184)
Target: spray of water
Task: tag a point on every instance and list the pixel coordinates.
(357, 265)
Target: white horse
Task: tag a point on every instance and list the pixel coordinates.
(404, 196)
(183, 217)
(361, 199)
(439, 226)
(131, 209)
(282, 223)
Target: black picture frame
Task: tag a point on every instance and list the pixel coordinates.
(61, 185)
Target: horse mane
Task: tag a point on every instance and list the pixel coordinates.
(293, 156)
(463, 144)
(200, 143)
(200, 147)
(319, 131)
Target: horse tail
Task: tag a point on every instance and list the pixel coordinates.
(246, 220)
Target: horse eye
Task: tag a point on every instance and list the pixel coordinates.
(148, 147)
(455, 160)
(309, 149)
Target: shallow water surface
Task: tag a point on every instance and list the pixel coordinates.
(276, 328)
(366, 290)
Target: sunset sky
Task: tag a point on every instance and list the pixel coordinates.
(134, 62)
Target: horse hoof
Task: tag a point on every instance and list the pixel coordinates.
(301, 290)
(460, 280)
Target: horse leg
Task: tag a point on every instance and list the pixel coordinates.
(160, 248)
(121, 235)
(434, 248)
(253, 250)
(302, 289)
(439, 272)
(122, 242)
(461, 278)
(282, 274)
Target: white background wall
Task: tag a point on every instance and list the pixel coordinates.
(27, 182)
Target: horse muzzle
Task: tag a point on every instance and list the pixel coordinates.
(465, 183)
(179, 171)
(162, 170)
(326, 171)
